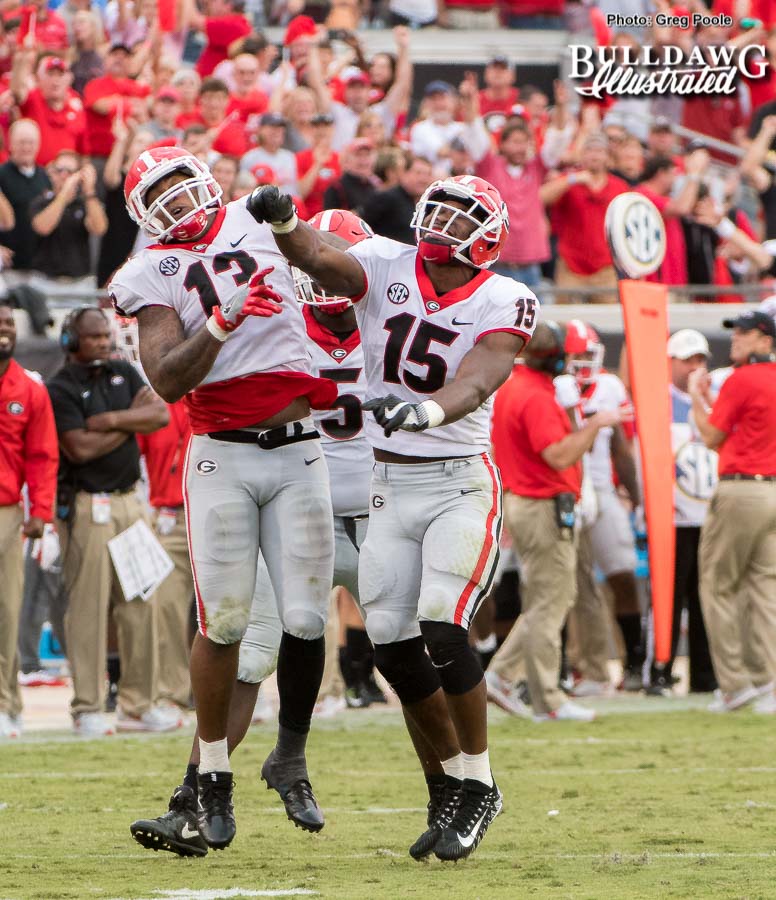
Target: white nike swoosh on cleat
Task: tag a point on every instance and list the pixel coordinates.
(469, 840)
(187, 833)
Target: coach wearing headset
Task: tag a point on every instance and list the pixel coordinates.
(539, 455)
(99, 405)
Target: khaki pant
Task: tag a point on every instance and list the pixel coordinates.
(11, 584)
(93, 591)
(473, 19)
(547, 572)
(173, 605)
(332, 684)
(737, 565)
(589, 619)
(603, 278)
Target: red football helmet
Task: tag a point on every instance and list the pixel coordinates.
(483, 208)
(584, 351)
(200, 188)
(352, 230)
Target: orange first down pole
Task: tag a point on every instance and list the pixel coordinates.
(645, 314)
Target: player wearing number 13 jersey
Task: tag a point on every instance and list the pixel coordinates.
(440, 335)
(213, 327)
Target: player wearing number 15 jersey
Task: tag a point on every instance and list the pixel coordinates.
(213, 328)
(440, 335)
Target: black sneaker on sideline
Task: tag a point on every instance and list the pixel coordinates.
(372, 691)
(297, 796)
(177, 830)
(442, 806)
(479, 806)
(355, 699)
(216, 812)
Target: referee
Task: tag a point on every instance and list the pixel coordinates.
(738, 540)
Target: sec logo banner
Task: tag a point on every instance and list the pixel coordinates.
(636, 235)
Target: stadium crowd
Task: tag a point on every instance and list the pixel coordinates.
(85, 87)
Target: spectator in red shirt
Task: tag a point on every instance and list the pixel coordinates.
(222, 25)
(738, 538)
(319, 166)
(187, 83)
(533, 14)
(499, 94)
(165, 110)
(165, 452)
(657, 183)
(227, 132)
(247, 99)
(29, 454)
(539, 455)
(579, 201)
(115, 94)
(49, 31)
(52, 104)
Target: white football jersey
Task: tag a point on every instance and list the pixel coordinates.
(343, 439)
(607, 392)
(414, 340)
(192, 278)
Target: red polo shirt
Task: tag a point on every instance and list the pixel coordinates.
(231, 137)
(220, 33)
(60, 129)
(29, 450)
(526, 420)
(100, 127)
(327, 175)
(746, 411)
(488, 106)
(164, 452)
(578, 220)
(674, 267)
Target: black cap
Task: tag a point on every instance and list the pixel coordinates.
(502, 61)
(271, 118)
(322, 119)
(438, 87)
(660, 123)
(751, 321)
(119, 46)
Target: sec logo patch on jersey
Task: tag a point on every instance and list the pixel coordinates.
(169, 265)
(397, 293)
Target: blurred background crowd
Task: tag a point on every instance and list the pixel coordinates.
(361, 105)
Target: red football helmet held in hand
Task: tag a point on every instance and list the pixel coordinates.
(198, 194)
(347, 226)
(473, 232)
(584, 352)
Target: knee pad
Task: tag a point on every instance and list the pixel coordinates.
(406, 666)
(226, 625)
(307, 624)
(383, 627)
(448, 646)
(256, 663)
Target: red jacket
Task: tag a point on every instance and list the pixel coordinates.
(29, 450)
(165, 452)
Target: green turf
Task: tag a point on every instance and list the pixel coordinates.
(657, 805)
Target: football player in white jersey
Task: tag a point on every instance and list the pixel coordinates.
(440, 334)
(212, 326)
(611, 535)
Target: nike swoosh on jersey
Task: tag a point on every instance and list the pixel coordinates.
(468, 840)
(187, 833)
(469, 491)
(456, 322)
(235, 243)
(309, 462)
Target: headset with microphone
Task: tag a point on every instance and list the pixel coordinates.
(555, 362)
(68, 338)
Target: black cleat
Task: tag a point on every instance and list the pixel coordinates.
(177, 830)
(216, 812)
(479, 806)
(372, 692)
(297, 796)
(443, 804)
(355, 698)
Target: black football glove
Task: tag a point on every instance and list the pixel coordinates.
(391, 413)
(267, 204)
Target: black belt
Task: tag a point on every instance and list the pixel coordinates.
(292, 433)
(740, 476)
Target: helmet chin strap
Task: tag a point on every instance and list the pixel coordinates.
(436, 251)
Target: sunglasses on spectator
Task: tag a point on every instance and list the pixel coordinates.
(64, 170)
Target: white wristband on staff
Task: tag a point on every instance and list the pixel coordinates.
(726, 229)
(285, 227)
(435, 413)
(215, 329)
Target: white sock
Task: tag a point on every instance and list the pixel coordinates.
(454, 766)
(213, 757)
(477, 767)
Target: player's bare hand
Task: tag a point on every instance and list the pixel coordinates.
(606, 418)
(33, 527)
(699, 383)
(391, 413)
(267, 204)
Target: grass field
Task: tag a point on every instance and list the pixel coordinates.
(650, 803)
